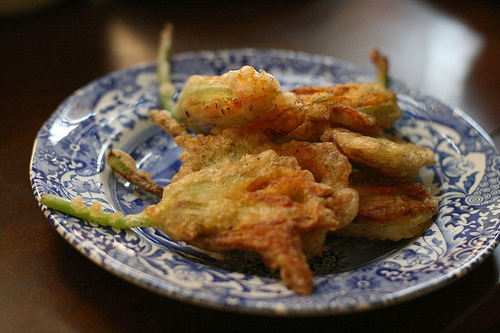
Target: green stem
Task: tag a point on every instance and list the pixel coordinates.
(124, 165)
(165, 85)
(381, 65)
(95, 213)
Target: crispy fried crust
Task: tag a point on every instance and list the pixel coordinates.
(390, 203)
(407, 228)
(389, 209)
(279, 246)
(396, 159)
(323, 159)
(262, 203)
(362, 107)
(240, 191)
(232, 99)
(269, 171)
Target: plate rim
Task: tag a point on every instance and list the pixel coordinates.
(402, 296)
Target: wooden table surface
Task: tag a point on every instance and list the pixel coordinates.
(447, 49)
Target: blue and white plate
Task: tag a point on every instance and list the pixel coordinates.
(349, 274)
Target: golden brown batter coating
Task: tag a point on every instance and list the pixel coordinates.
(396, 159)
(390, 209)
(262, 203)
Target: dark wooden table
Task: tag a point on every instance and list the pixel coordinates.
(448, 49)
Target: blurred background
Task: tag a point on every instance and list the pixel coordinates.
(440, 47)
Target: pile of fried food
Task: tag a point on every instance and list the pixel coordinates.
(272, 172)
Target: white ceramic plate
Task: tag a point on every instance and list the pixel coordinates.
(349, 275)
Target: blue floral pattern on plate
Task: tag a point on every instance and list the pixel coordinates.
(350, 274)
